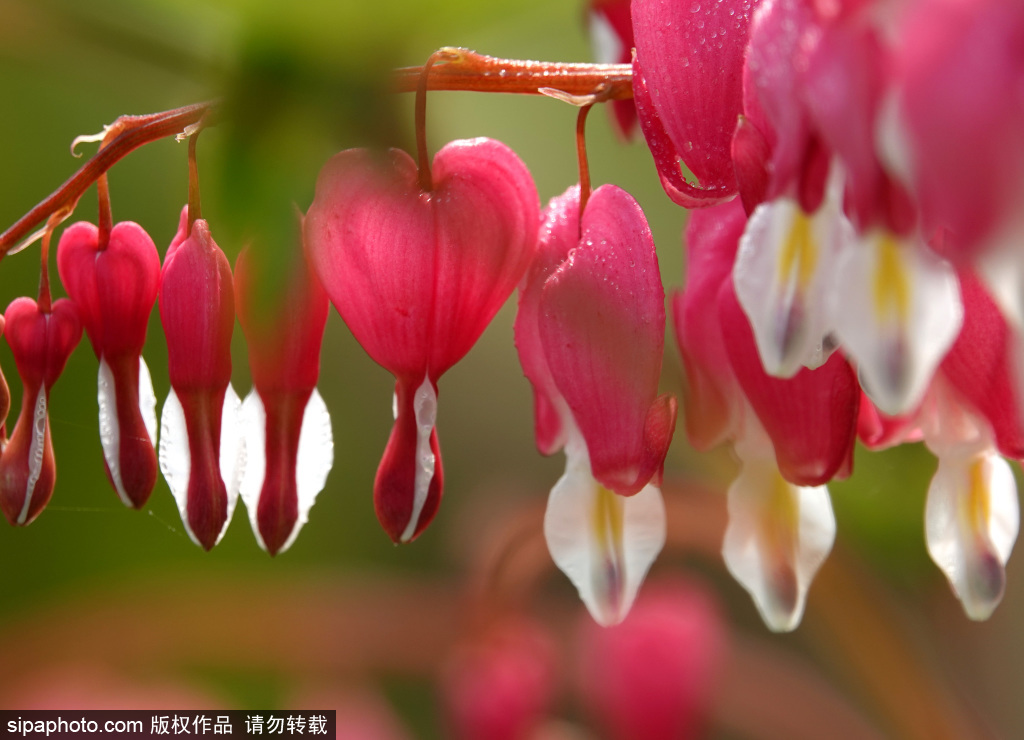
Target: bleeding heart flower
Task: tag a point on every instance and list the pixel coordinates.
(201, 449)
(114, 287)
(687, 85)
(41, 342)
(417, 275)
(590, 334)
(289, 445)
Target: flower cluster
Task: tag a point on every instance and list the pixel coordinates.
(853, 273)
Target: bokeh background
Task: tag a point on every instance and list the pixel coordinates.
(106, 607)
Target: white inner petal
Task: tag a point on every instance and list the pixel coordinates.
(175, 456)
(778, 534)
(110, 428)
(315, 459)
(784, 262)
(232, 451)
(36, 451)
(313, 462)
(604, 40)
(425, 406)
(147, 400)
(897, 312)
(603, 542)
(971, 523)
(254, 427)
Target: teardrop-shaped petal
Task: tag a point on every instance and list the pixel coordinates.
(689, 60)
(602, 327)
(897, 312)
(783, 273)
(982, 366)
(407, 489)
(281, 481)
(41, 343)
(971, 522)
(711, 394)
(127, 411)
(559, 233)
(604, 543)
(113, 288)
(418, 276)
(778, 534)
(811, 417)
(202, 456)
(954, 72)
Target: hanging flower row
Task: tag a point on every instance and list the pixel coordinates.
(854, 170)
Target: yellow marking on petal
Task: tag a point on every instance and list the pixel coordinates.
(782, 518)
(607, 520)
(892, 282)
(977, 505)
(799, 253)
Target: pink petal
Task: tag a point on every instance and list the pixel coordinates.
(41, 344)
(980, 365)
(959, 70)
(115, 288)
(843, 85)
(197, 313)
(559, 233)
(880, 431)
(284, 342)
(602, 327)
(418, 276)
(811, 417)
(690, 58)
(771, 94)
(410, 479)
(711, 394)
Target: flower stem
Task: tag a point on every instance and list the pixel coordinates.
(479, 73)
(136, 131)
(195, 209)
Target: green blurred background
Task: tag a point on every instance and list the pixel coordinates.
(103, 605)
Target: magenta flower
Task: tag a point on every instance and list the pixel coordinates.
(114, 287)
(687, 85)
(417, 275)
(289, 444)
(590, 334)
(792, 435)
(41, 341)
(201, 453)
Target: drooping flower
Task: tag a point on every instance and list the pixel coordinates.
(687, 85)
(114, 287)
(590, 334)
(791, 435)
(41, 342)
(417, 274)
(289, 444)
(201, 447)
